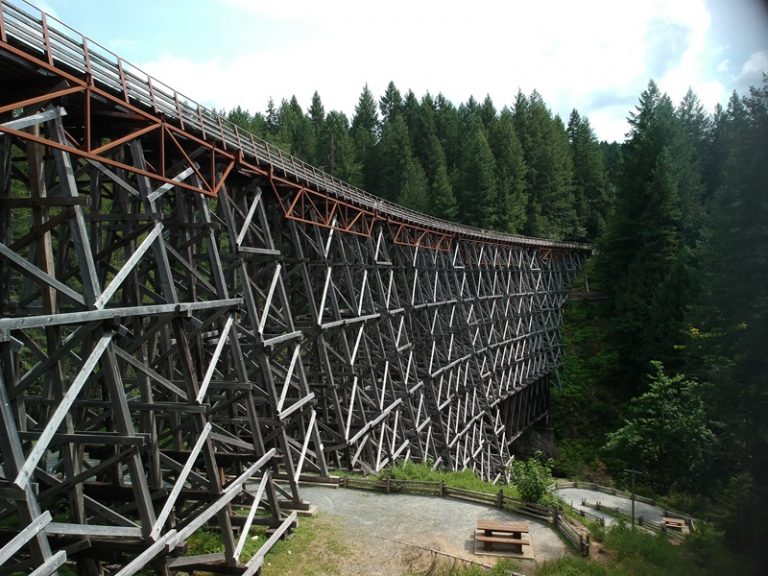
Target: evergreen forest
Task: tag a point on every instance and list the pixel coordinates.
(667, 366)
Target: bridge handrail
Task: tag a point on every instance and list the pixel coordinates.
(41, 34)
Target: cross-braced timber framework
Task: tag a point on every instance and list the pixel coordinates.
(193, 320)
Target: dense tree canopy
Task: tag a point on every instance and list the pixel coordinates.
(679, 212)
(533, 175)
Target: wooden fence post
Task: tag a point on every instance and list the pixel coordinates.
(500, 498)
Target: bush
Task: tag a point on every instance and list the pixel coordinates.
(533, 477)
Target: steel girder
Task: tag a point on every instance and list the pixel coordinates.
(193, 320)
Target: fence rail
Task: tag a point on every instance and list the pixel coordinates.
(560, 484)
(659, 528)
(604, 489)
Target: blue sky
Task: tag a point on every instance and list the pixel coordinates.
(594, 55)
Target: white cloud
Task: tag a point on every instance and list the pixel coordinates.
(567, 51)
(756, 64)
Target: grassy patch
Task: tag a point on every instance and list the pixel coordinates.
(315, 548)
(465, 479)
(638, 553)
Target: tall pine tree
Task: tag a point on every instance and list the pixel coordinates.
(365, 134)
(591, 186)
(512, 196)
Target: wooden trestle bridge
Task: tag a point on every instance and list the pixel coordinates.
(193, 320)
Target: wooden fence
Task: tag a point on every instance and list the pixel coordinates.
(653, 526)
(604, 489)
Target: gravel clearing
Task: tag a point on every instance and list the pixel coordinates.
(393, 533)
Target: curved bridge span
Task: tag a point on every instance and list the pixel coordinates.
(192, 321)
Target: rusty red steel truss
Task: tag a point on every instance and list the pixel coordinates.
(192, 322)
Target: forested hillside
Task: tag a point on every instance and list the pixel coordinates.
(519, 169)
(668, 373)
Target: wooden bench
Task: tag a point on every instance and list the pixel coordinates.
(514, 542)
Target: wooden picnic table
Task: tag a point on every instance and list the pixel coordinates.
(512, 534)
(673, 523)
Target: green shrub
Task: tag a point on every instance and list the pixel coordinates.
(533, 477)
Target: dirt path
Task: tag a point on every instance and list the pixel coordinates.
(393, 534)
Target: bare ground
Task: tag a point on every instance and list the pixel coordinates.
(390, 535)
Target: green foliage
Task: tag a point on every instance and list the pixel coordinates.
(730, 319)
(204, 541)
(591, 187)
(394, 160)
(364, 133)
(666, 433)
(478, 186)
(513, 170)
(645, 553)
(510, 171)
(533, 477)
(640, 553)
(735, 510)
(413, 194)
(391, 104)
(551, 210)
(584, 407)
(648, 253)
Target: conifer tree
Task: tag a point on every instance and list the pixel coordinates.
(394, 159)
(591, 186)
(391, 104)
(365, 131)
(442, 201)
(317, 121)
(647, 254)
(295, 133)
(730, 319)
(271, 120)
(447, 126)
(411, 114)
(551, 208)
(478, 188)
(487, 113)
(413, 193)
(341, 160)
(510, 173)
